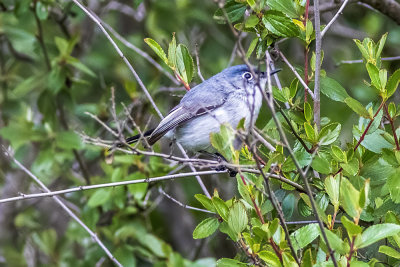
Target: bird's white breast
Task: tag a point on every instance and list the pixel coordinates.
(194, 135)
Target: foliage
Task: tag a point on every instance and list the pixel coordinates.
(52, 71)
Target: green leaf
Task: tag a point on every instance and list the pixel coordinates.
(381, 44)
(288, 205)
(393, 183)
(206, 228)
(252, 46)
(278, 94)
(321, 164)
(310, 132)
(68, 140)
(157, 48)
(351, 167)
(373, 72)
(378, 232)
(308, 112)
(288, 260)
(223, 141)
(184, 63)
(391, 252)
(364, 194)
(234, 11)
(42, 10)
(138, 191)
(225, 262)
(285, 6)
(251, 21)
(79, 65)
(224, 228)
(46, 241)
(304, 236)
(99, 197)
(329, 133)
(357, 107)
(333, 89)
(237, 220)
(332, 186)
(362, 49)
(393, 83)
(336, 243)
(352, 228)
(205, 201)
(270, 258)
(280, 25)
(338, 154)
(172, 53)
(392, 109)
(349, 198)
(221, 207)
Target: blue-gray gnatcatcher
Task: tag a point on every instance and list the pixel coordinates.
(227, 97)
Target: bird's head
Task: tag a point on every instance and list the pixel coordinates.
(240, 76)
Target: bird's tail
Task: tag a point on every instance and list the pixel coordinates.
(135, 138)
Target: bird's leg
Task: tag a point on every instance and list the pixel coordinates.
(221, 159)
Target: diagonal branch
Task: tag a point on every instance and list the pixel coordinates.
(63, 206)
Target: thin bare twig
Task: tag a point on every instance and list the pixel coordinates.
(141, 53)
(96, 186)
(8, 153)
(334, 18)
(296, 74)
(161, 191)
(196, 52)
(356, 61)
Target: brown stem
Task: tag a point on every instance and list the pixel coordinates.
(187, 87)
(368, 126)
(396, 140)
(257, 209)
(276, 249)
(351, 251)
(365, 131)
(333, 220)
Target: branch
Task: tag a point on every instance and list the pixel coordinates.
(63, 206)
(318, 39)
(390, 8)
(334, 18)
(296, 74)
(96, 186)
(356, 61)
(161, 191)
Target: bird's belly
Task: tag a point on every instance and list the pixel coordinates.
(195, 134)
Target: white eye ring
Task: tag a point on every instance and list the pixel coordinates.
(248, 76)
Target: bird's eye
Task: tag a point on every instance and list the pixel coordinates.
(247, 76)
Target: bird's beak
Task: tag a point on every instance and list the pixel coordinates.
(275, 71)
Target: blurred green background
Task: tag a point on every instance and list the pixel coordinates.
(56, 64)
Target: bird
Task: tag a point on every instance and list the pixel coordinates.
(226, 97)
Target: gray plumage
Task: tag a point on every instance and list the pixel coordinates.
(226, 97)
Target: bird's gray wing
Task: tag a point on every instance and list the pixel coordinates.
(181, 114)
